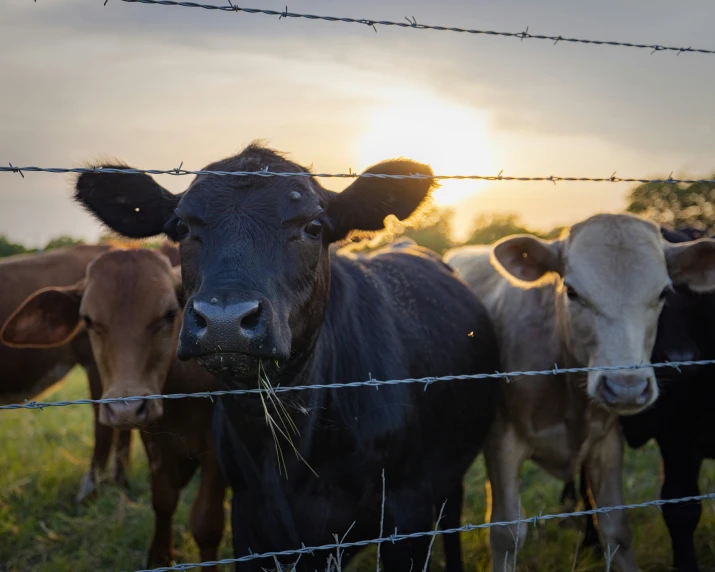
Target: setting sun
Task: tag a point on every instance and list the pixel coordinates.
(452, 138)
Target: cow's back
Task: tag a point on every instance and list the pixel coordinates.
(402, 313)
(523, 319)
(26, 372)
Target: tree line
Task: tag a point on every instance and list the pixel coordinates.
(669, 204)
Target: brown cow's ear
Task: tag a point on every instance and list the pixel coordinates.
(692, 263)
(178, 285)
(48, 318)
(526, 260)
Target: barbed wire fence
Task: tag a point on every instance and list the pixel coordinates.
(412, 24)
(426, 381)
(179, 171)
(507, 377)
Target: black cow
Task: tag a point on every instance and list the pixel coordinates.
(268, 304)
(681, 420)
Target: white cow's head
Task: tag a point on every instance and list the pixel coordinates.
(613, 274)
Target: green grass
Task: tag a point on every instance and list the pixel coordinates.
(44, 454)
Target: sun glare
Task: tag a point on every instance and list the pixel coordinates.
(452, 138)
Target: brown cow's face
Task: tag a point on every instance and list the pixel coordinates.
(131, 311)
(614, 274)
(128, 303)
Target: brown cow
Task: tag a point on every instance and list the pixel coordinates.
(128, 301)
(26, 373)
(591, 298)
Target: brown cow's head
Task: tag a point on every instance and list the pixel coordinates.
(613, 274)
(128, 302)
(254, 250)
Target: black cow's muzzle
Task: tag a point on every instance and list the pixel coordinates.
(224, 333)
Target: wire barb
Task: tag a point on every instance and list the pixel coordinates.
(16, 170)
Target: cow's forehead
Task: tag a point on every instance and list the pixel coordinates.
(116, 276)
(618, 253)
(211, 195)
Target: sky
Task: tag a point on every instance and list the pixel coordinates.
(157, 86)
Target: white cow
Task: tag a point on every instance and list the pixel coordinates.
(591, 298)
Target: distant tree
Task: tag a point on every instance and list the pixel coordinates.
(675, 205)
(489, 228)
(434, 231)
(8, 248)
(63, 242)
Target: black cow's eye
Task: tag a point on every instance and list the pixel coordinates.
(571, 294)
(181, 229)
(664, 294)
(314, 228)
(87, 321)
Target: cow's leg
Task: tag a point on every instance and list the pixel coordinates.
(169, 475)
(407, 511)
(604, 468)
(103, 439)
(681, 467)
(568, 496)
(452, 517)
(207, 515)
(590, 537)
(122, 456)
(505, 453)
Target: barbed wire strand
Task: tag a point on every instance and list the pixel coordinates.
(466, 528)
(265, 173)
(412, 23)
(427, 381)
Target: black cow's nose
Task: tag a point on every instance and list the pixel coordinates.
(244, 315)
(678, 355)
(211, 327)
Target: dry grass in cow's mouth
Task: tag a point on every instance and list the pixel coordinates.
(286, 428)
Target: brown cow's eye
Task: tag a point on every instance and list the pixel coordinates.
(170, 316)
(314, 228)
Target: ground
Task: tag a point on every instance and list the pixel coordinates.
(45, 453)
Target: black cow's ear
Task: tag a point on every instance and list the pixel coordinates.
(134, 205)
(365, 204)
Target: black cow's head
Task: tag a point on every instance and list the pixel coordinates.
(254, 250)
(686, 327)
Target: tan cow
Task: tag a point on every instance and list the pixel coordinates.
(591, 298)
(129, 304)
(26, 373)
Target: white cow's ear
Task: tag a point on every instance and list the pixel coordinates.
(692, 263)
(526, 260)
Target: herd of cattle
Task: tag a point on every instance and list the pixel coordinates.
(258, 295)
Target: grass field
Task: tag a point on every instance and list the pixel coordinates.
(45, 453)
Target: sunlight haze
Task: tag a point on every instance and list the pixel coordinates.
(157, 86)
